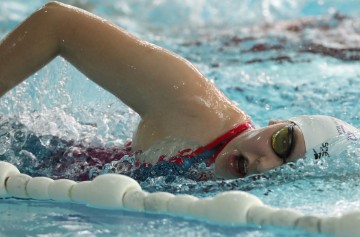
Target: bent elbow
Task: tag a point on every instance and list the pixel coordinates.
(53, 4)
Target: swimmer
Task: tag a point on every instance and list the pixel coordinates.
(183, 115)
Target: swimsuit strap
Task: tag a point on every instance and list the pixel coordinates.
(181, 164)
(216, 146)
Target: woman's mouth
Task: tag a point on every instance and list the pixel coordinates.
(238, 165)
(242, 166)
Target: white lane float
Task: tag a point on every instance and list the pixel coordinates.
(115, 191)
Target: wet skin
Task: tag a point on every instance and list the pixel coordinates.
(251, 152)
(147, 78)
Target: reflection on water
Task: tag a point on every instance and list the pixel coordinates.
(272, 58)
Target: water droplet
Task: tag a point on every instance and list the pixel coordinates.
(5, 143)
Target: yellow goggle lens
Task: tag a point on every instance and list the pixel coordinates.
(282, 141)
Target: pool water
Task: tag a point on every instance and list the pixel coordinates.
(275, 59)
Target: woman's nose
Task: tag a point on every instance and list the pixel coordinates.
(258, 163)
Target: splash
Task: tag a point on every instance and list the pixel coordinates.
(269, 64)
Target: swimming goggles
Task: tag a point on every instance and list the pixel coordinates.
(282, 141)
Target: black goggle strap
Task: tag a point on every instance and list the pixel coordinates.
(291, 141)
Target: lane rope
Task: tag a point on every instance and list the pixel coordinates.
(116, 191)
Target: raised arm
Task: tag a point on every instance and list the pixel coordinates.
(145, 77)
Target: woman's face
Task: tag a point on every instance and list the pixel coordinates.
(252, 152)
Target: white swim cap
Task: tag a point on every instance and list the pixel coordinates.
(319, 129)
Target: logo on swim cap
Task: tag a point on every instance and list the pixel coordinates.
(324, 135)
(323, 151)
